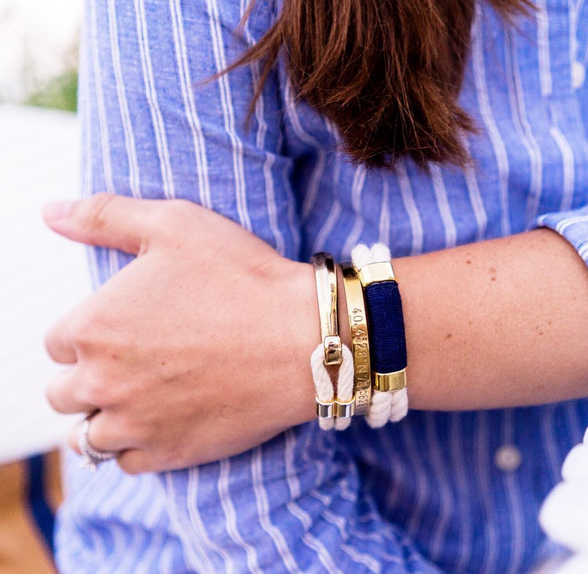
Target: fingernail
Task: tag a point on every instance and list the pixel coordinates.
(56, 210)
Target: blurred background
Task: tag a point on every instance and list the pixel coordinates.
(39, 51)
(41, 275)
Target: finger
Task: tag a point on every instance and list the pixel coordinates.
(105, 434)
(135, 461)
(63, 393)
(73, 438)
(104, 219)
(59, 343)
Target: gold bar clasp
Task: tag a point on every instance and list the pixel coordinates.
(326, 288)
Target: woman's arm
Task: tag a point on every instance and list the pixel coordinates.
(499, 323)
(199, 349)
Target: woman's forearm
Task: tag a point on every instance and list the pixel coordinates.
(496, 324)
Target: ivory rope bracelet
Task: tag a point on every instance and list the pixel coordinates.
(332, 411)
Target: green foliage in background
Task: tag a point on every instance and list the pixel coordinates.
(59, 93)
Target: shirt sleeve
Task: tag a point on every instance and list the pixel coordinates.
(157, 126)
(572, 225)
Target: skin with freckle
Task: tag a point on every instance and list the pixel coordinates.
(502, 350)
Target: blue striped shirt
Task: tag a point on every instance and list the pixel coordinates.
(433, 494)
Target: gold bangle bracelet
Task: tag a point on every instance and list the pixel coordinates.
(326, 289)
(360, 346)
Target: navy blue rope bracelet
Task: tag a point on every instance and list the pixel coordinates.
(385, 327)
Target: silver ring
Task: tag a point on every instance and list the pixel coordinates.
(92, 457)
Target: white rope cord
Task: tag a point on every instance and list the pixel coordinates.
(322, 382)
(324, 386)
(345, 386)
(385, 406)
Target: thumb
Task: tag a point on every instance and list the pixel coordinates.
(103, 219)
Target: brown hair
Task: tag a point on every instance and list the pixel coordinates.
(387, 73)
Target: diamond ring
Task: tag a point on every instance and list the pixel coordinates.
(92, 457)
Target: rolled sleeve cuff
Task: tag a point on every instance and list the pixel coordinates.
(571, 225)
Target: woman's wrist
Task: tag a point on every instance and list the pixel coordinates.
(302, 331)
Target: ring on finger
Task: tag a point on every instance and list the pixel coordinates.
(92, 456)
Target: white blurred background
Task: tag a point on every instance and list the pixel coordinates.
(37, 41)
(41, 275)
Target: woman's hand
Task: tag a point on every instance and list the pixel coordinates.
(197, 350)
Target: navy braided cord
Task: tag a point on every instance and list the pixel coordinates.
(386, 327)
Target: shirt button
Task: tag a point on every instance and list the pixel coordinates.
(508, 458)
(578, 74)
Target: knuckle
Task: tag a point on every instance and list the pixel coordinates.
(172, 220)
(132, 464)
(93, 213)
(125, 426)
(53, 398)
(139, 430)
(81, 325)
(87, 326)
(81, 333)
(93, 391)
(176, 212)
(176, 457)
